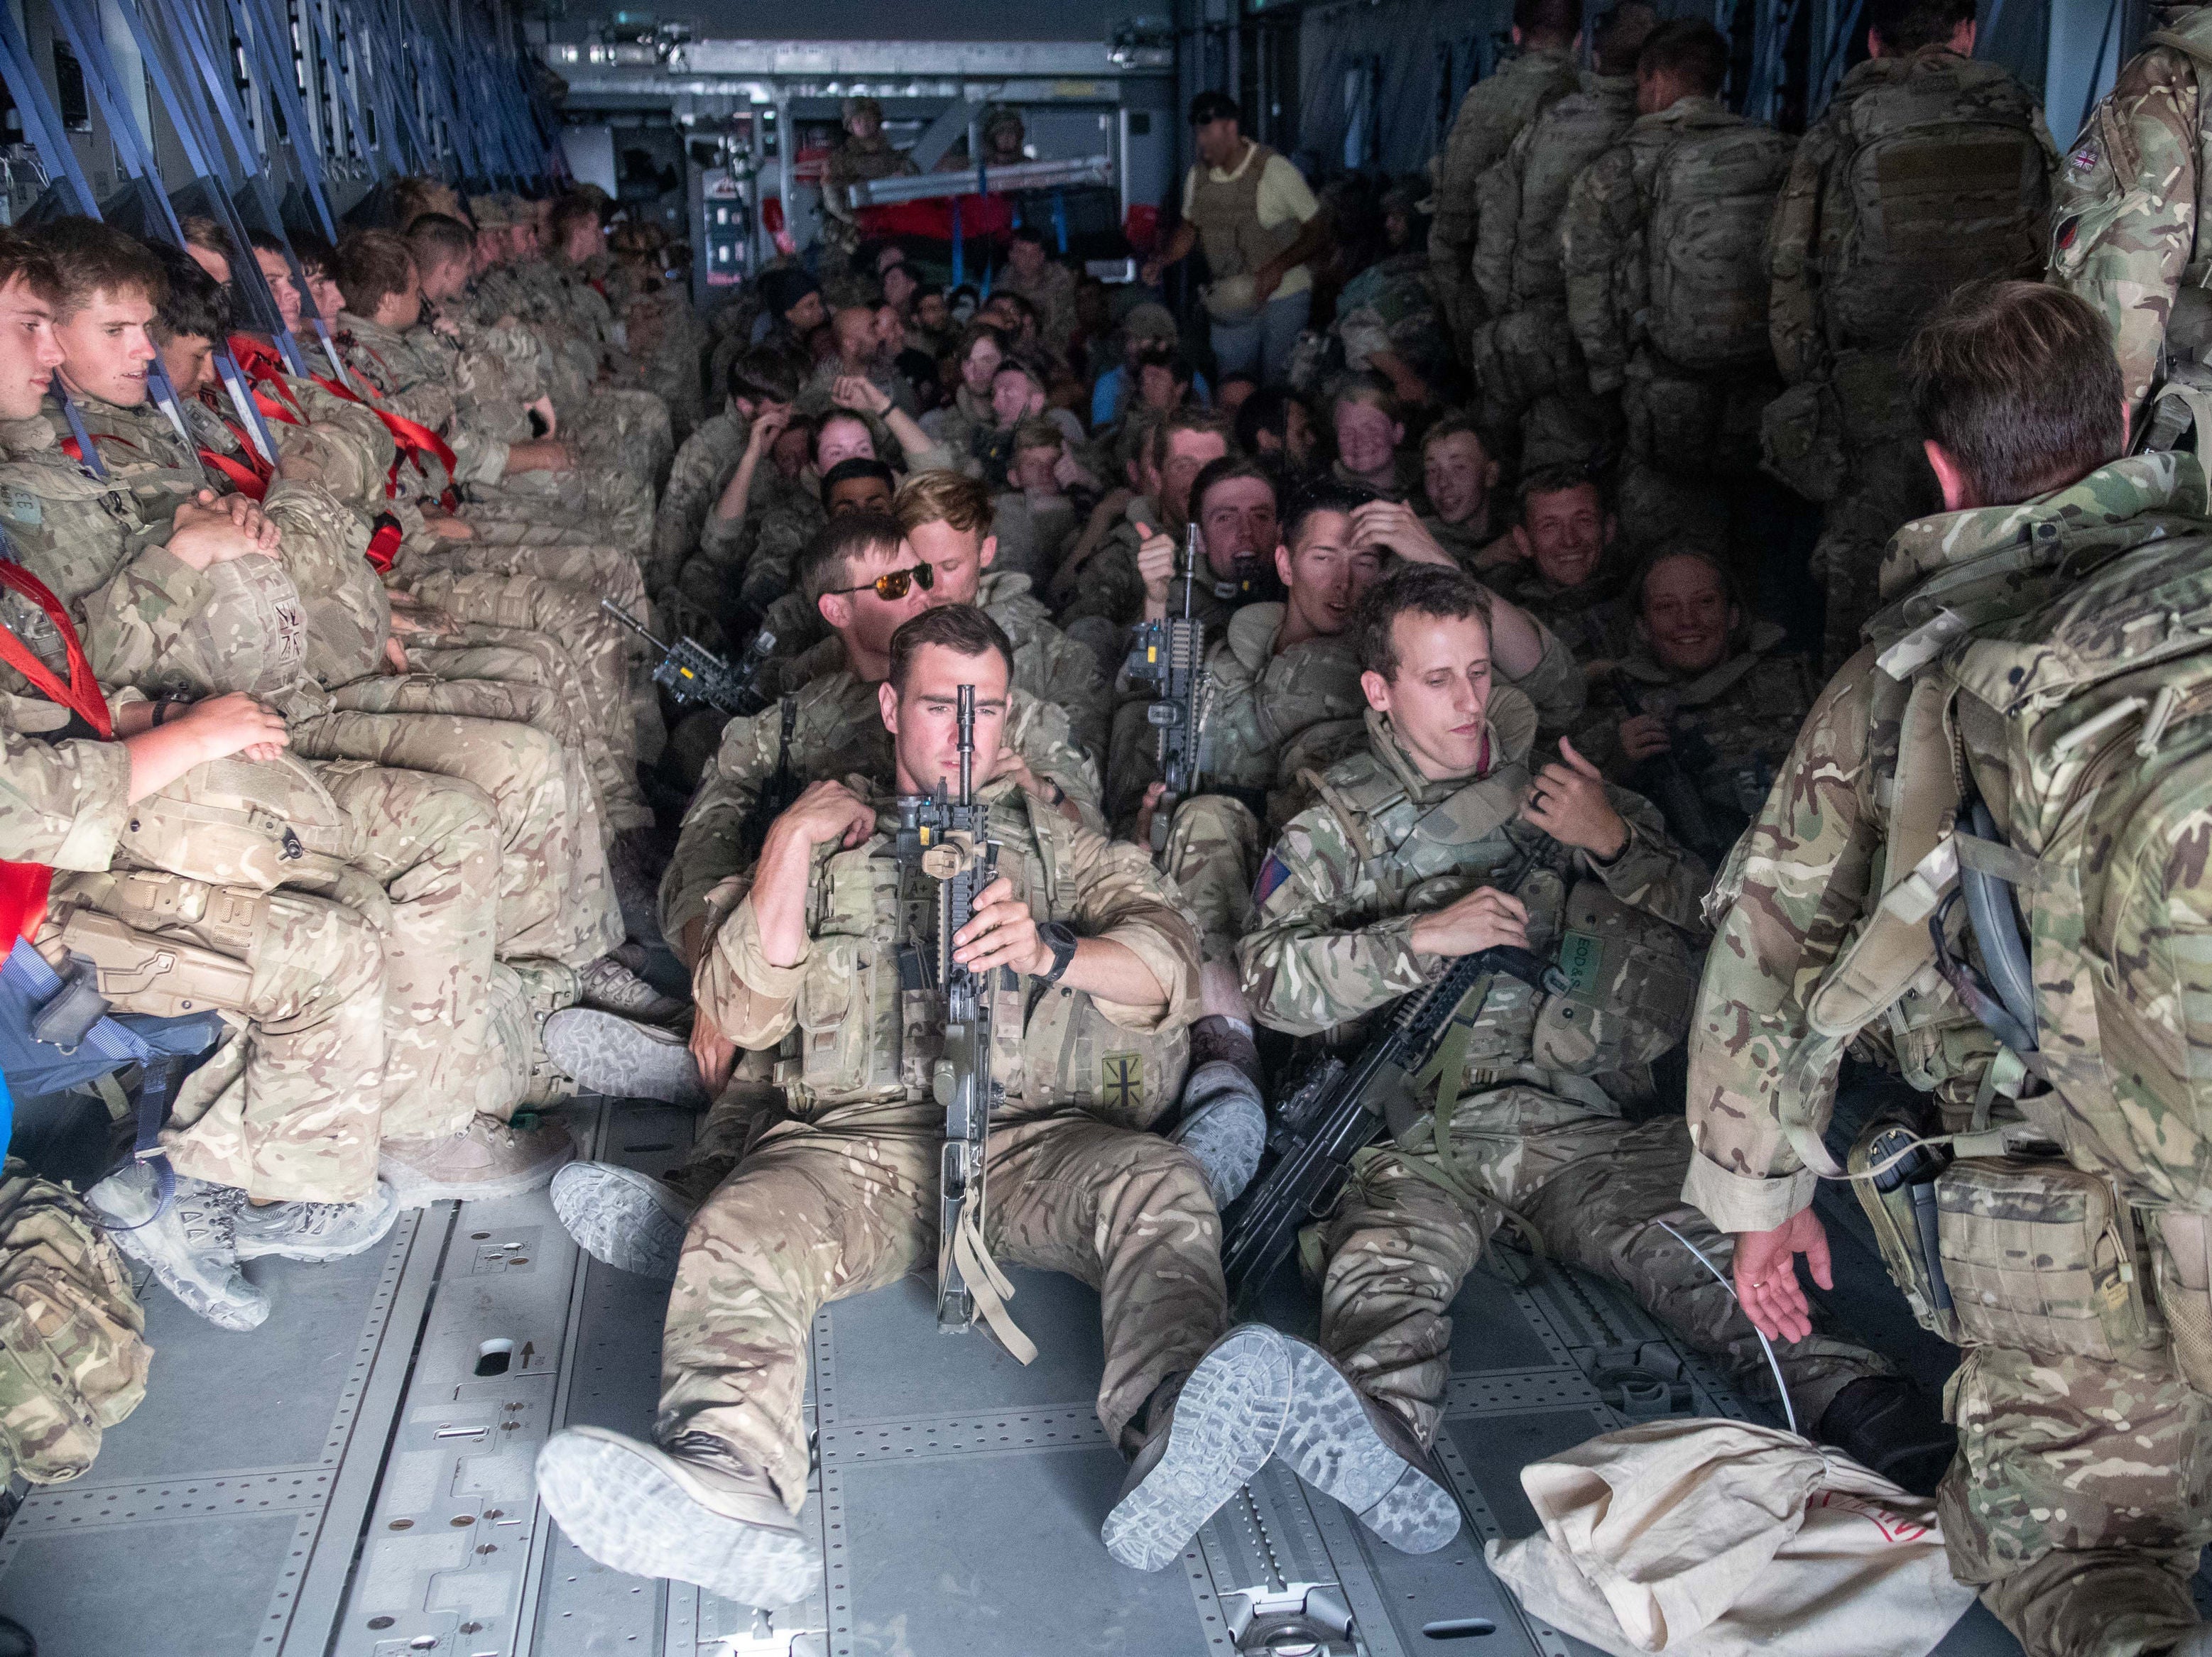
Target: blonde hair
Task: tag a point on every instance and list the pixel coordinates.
(943, 497)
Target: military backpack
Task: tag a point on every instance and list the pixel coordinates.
(1712, 200)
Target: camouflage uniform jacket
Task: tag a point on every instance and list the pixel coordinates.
(1603, 239)
(704, 469)
(1053, 292)
(1591, 620)
(1389, 307)
(856, 161)
(1491, 115)
(1812, 220)
(1103, 888)
(1110, 584)
(1331, 935)
(1797, 889)
(415, 387)
(839, 732)
(2129, 202)
(1733, 724)
(63, 798)
(1465, 542)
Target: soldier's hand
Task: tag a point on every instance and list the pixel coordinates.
(1767, 1275)
(546, 412)
(235, 724)
(1482, 919)
(767, 425)
(450, 529)
(203, 536)
(1149, 273)
(1645, 735)
(860, 394)
(1001, 932)
(826, 811)
(1147, 812)
(395, 656)
(1156, 563)
(1391, 526)
(714, 1053)
(1568, 803)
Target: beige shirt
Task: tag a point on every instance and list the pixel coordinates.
(1283, 196)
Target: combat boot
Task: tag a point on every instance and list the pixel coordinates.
(315, 1231)
(1225, 1126)
(622, 1058)
(190, 1246)
(690, 1511)
(610, 986)
(486, 1159)
(1205, 1444)
(624, 1218)
(1346, 1445)
(1889, 1426)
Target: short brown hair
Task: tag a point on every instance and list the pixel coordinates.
(1037, 432)
(569, 212)
(824, 564)
(1690, 48)
(944, 497)
(1905, 26)
(90, 259)
(411, 197)
(960, 629)
(438, 238)
(978, 330)
(1446, 595)
(202, 232)
(1368, 388)
(2017, 382)
(21, 257)
(1620, 34)
(1558, 480)
(372, 265)
(1190, 420)
(1458, 422)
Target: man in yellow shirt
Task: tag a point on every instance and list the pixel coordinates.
(1261, 227)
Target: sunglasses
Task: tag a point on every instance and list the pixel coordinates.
(893, 587)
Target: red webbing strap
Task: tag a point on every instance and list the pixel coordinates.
(24, 886)
(384, 545)
(244, 478)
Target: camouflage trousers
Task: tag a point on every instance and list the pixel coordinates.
(1595, 1189)
(1212, 855)
(821, 1210)
(73, 1357)
(555, 896)
(625, 428)
(615, 504)
(557, 591)
(1886, 484)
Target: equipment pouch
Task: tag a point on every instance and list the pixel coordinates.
(833, 1051)
(1801, 438)
(2181, 1259)
(2040, 1256)
(1629, 983)
(238, 822)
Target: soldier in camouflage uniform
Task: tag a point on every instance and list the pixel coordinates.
(1493, 114)
(1046, 283)
(865, 155)
(1664, 251)
(845, 1186)
(1526, 365)
(1716, 703)
(761, 384)
(1567, 569)
(1459, 481)
(2079, 1501)
(2128, 208)
(1434, 842)
(1388, 323)
(1862, 250)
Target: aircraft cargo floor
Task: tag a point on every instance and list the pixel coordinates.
(355, 1477)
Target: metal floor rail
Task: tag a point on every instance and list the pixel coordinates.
(354, 1477)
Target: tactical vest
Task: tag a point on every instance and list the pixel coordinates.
(864, 1035)
(1626, 979)
(1712, 193)
(2073, 701)
(1516, 251)
(1227, 215)
(1944, 179)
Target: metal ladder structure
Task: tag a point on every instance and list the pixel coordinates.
(354, 1478)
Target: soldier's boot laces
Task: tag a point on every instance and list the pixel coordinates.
(690, 1511)
(624, 1218)
(1889, 1426)
(612, 987)
(1225, 1126)
(488, 1158)
(1210, 1441)
(622, 1058)
(191, 1247)
(315, 1231)
(1346, 1445)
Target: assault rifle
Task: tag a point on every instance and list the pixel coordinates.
(1167, 661)
(776, 795)
(1338, 1111)
(693, 675)
(949, 841)
(1672, 787)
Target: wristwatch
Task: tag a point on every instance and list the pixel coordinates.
(1059, 937)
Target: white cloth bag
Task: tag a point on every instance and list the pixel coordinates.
(1715, 1539)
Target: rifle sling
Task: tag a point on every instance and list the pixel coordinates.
(1445, 1071)
(988, 1286)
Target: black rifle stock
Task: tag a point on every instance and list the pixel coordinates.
(776, 795)
(1671, 788)
(695, 676)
